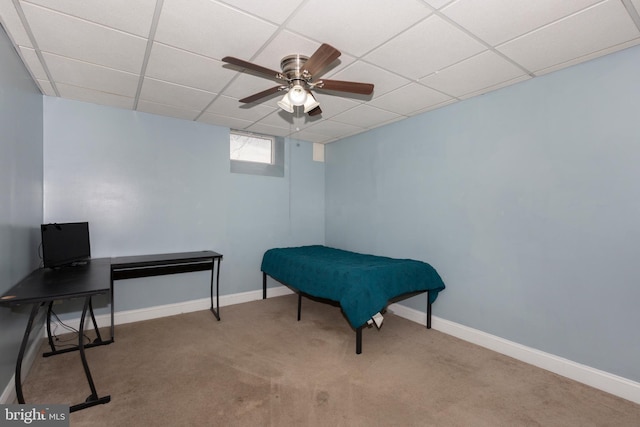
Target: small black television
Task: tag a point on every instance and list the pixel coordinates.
(65, 244)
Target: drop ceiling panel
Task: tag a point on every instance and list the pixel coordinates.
(435, 107)
(419, 54)
(409, 99)
(33, 63)
(90, 76)
(189, 69)
(588, 57)
(463, 77)
(280, 119)
(221, 120)
(599, 27)
(211, 29)
(309, 135)
(365, 116)
(175, 95)
(494, 87)
(273, 10)
(437, 4)
(94, 96)
(230, 106)
(166, 110)
(334, 129)
(126, 15)
(496, 21)
(260, 127)
(425, 48)
(85, 41)
(357, 26)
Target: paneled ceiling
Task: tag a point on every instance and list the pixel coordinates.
(164, 56)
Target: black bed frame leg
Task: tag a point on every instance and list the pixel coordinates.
(264, 285)
(299, 305)
(359, 340)
(428, 311)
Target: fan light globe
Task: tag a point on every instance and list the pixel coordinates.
(297, 95)
(310, 103)
(285, 104)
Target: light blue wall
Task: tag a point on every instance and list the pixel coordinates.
(152, 184)
(527, 202)
(20, 192)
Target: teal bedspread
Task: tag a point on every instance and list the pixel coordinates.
(362, 284)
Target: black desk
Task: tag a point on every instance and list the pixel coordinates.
(44, 286)
(130, 267)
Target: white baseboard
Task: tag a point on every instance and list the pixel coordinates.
(138, 315)
(610, 383)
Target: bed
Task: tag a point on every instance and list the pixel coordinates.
(362, 284)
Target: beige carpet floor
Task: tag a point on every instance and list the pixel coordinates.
(260, 367)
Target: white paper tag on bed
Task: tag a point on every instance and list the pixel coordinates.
(377, 319)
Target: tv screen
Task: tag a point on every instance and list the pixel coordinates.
(65, 244)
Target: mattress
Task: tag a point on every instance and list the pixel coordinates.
(362, 284)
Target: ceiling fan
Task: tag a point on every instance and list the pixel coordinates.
(300, 76)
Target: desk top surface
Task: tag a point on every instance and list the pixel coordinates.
(46, 284)
(160, 259)
(92, 278)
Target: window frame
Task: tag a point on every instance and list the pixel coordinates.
(275, 168)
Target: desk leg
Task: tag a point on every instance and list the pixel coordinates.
(216, 311)
(96, 342)
(93, 399)
(49, 337)
(112, 309)
(98, 338)
(23, 347)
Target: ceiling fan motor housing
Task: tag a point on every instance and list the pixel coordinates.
(291, 66)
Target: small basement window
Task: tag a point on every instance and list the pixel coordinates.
(256, 154)
(251, 148)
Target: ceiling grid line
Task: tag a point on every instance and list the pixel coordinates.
(633, 12)
(483, 42)
(419, 54)
(34, 43)
(270, 39)
(150, 40)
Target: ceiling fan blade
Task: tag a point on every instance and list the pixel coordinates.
(315, 111)
(262, 94)
(342, 86)
(254, 67)
(322, 57)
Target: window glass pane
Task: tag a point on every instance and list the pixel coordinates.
(251, 148)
